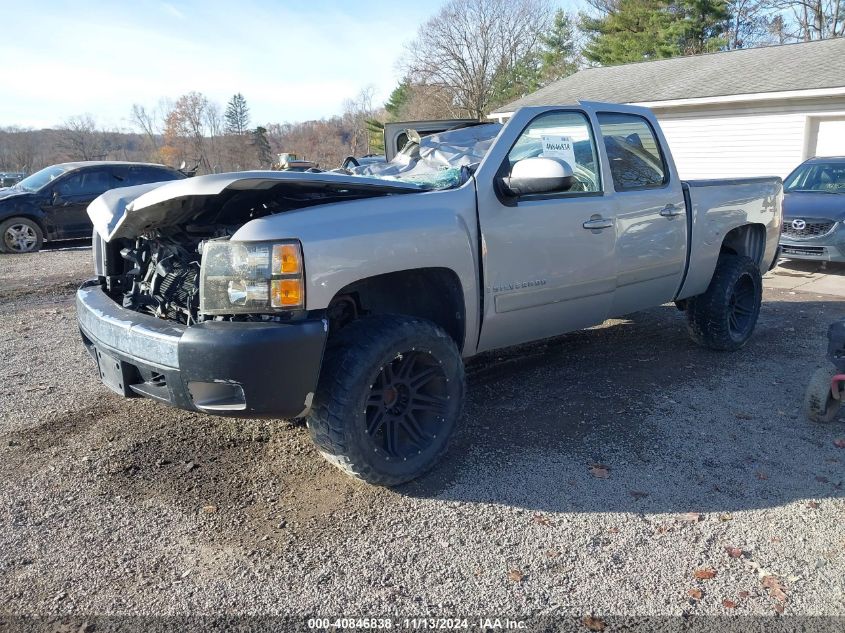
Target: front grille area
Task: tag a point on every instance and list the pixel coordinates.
(813, 251)
(813, 228)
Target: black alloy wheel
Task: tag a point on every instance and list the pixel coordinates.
(742, 307)
(407, 404)
(388, 399)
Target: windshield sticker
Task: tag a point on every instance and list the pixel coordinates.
(559, 147)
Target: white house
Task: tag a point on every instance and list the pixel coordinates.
(751, 112)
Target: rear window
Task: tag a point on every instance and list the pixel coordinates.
(636, 160)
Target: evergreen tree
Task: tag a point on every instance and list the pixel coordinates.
(397, 100)
(237, 115)
(375, 134)
(262, 147)
(558, 55)
(638, 30)
(554, 58)
(699, 25)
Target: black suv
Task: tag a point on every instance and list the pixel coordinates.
(51, 204)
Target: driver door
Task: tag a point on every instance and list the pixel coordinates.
(67, 207)
(548, 259)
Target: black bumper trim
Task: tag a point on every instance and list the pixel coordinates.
(275, 364)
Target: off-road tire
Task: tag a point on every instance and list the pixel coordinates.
(712, 316)
(31, 225)
(353, 366)
(819, 403)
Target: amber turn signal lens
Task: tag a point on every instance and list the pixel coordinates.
(286, 259)
(286, 293)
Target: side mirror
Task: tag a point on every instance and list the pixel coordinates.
(538, 175)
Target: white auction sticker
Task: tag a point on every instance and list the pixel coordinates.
(559, 147)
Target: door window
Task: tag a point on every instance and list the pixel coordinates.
(87, 183)
(566, 136)
(142, 175)
(636, 160)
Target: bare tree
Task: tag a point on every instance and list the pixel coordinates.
(808, 20)
(749, 24)
(356, 113)
(18, 149)
(149, 122)
(471, 45)
(185, 130)
(80, 138)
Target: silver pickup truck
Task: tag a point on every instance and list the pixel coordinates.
(352, 299)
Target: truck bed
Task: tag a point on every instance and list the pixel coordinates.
(717, 206)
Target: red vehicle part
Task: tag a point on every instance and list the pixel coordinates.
(835, 388)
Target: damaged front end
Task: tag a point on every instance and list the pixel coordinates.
(180, 313)
(149, 240)
(158, 275)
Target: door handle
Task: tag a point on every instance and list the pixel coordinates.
(670, 211)
(599, 223)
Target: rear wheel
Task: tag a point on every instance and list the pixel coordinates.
(20, 235)
(389, 398)
(724, 317)
(819, 403)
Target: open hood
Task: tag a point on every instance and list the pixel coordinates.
(129, 211)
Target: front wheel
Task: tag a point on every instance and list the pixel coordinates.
(389, 398)
(724, 317)
(20, 235)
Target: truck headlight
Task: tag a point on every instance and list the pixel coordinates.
(251, 277)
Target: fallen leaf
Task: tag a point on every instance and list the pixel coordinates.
(761, 475)
(725, 517)
(209, 509)
(599, 471)
(743, 594)
(733, 552)
(613, 530)
(776, 539)
(541, 519)
(514, 575)
(772, 584)
(705, 573)
(729, 604)
(695, 594)
(839, 442)
(692, 517)
(593, 624)
(813, 504)
(638, 494)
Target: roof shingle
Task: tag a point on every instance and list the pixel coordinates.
(804, 66)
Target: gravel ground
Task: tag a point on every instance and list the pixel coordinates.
(599, 472)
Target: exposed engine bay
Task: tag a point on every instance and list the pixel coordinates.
(158, 271)
(161, 277)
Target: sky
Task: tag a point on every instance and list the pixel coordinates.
(291, 60)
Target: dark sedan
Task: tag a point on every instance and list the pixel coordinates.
(814, 211)
(51, 204)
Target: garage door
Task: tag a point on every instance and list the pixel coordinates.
(733, 145)
(830, 137)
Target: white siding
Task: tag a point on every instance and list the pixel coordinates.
(736, 141)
